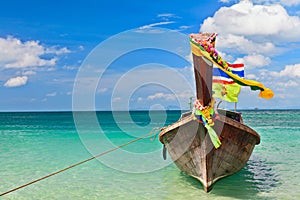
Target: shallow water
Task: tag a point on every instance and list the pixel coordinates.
(33, 145)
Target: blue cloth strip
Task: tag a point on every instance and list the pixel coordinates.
(218, 72)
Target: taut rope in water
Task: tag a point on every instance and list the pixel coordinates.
(152, 133)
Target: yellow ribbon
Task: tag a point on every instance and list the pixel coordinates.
(264, 92)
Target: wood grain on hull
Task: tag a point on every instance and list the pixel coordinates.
(191, 149)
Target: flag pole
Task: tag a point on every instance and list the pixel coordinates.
(191, 103)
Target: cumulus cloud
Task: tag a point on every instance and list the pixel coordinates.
(251, 76)
(290, 83)
(16, 81)
(292, 71)
(252, 34)
(17, 54)
(290, 2)
(169, 96)
(57, 51)
(247, 19)
(241, 44)
(253, 61)
(253, 29)
(161, 95)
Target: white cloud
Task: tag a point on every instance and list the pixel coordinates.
(290, 2)
(17, 81)
(182, 28)
(29, 73)
(253, 61)
(169, 96)
(81, 48)
(53, 94)
(50, 69)
(161, 95)
(283, 2)
(102, 90)
(247, 19)
(156, 24)
(291, 83)
(63, 34)
(292, 71)
(251, 76)
(55, 50)
(146, 82)
(67, 67)
(167, 16)
(15, 53)
(241, 44)
(117, 99)
(155, 96)
(255, 33)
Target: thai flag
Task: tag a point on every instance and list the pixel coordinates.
(220, 77)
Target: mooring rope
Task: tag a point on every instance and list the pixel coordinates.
(84, 161)
(153, 133)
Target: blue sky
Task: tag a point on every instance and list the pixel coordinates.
(43, 45)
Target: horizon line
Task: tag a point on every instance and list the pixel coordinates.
(141, 110)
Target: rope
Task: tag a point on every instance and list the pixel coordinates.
(84, 161)
(153, 133)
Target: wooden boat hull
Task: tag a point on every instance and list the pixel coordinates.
(192, 151)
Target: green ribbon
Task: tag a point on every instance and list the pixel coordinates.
(213, 136)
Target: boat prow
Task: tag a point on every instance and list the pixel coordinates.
(191, 149)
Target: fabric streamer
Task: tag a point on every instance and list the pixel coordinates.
(204, 48)
(205, 115)
(213, 136)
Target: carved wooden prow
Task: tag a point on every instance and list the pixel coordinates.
(203, 73)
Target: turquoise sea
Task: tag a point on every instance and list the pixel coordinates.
(34, 144)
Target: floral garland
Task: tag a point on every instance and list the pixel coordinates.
(206, 112)
(209, 47)
(206, 115)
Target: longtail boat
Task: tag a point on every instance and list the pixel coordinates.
(209, 143)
